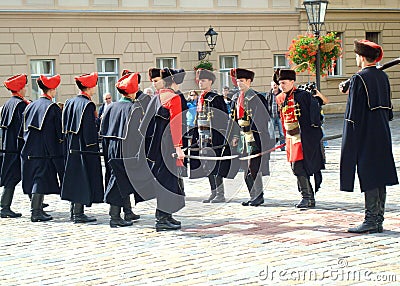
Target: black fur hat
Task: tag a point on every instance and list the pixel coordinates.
(368, 49)
(178, 75)
(244, 73)
(205, 74)
(282, 74)
(154, 72)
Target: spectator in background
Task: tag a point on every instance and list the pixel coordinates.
(274, 111)
(225, 93)
(192, 106)
(148, 91)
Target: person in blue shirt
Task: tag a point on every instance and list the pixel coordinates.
(192, 106)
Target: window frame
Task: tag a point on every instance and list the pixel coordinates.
(160, 60)
(338, 69)
(106, 75)
(224, 71)
(35, 76)
(286, 66)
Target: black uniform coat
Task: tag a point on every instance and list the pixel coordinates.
(260, 124)
(43, 137)
(215, 104)
(10, 123)
(156, 126)
(367, 143)
(121, 139)
(83, 179)
(310, 130)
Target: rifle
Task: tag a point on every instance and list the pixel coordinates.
(344, 85)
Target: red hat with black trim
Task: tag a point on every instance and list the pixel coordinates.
(16, 82)
(232, 74)
(88, 80)
(368, 49)
(129, 83)
(125, 72)
(50, 82)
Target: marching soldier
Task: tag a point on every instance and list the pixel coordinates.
(10, 123)
(211, 122)
(42, 153)
(250, 111)
(301, 120)
(121, 139)
(162, 124)
(79, 127)
(367, 144)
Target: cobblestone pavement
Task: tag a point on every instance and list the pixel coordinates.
(219, 244)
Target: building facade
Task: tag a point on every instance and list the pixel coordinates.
(72, 37)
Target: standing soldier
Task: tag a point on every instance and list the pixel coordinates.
(42, 153)
(10, 123)
(367, 143)
(162, 124)
(250, 111)
(301, 120)
(83, 168)
(121, 139)
(211, 122)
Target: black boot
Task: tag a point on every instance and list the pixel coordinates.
(71, 211)
(312, 199)
(370, 224)
(128, 213)
(163, 221)
(248, 179)
(213, 185)
(220, 196)
(36, 209)
(304, 187)
(79, 216)
(211, 197)
(6, 199)
(381, 208)
(116, 220)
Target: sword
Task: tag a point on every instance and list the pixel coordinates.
(82, 152)
(30, 157)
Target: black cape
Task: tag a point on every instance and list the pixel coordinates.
(43, 138)
(155, 126)
(10, 123)
(310, 130)
(366, 142)
(121, 143)
(83, 179)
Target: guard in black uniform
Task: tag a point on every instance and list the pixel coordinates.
(42, 154)
(250, 111)
(121, 139)
(211, 122)
(10, 123)
(83, 166)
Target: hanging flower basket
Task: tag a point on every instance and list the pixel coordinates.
(206, 65)
(303, 52)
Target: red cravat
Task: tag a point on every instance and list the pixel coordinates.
(240, 105)
(201, 101)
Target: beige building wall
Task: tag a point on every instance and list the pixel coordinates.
(75, 33)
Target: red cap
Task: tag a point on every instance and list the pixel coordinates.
(88, 80)
(232, 73)
(129, 83)
(16, 83)
(125, 72)
(50, 82)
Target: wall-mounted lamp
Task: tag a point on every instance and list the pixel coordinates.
(211, 38)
